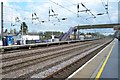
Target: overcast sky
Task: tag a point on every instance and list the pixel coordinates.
(23, 9)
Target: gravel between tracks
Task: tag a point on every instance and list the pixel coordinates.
(40, 65)
(54, 69)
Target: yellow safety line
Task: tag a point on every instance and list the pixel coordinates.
(103, 66)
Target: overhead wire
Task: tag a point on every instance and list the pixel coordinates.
(21, 8)
(88, 10)
(62, 7)
(17, 9)
(15, 15)
(70, 2)
(106, 9)
(108, 13)
(78, 10)
(67, 9)
(54, 14)
(15, 20)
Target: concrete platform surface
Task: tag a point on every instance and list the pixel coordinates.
(93, 66)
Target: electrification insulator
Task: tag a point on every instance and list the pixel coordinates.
(49, 12)
(52, 10)
(82, 4)
(35, 14)
(17, 19)
(78, 6)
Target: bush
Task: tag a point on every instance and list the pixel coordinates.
(0, 38)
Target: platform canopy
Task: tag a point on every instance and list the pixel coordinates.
(97, 26)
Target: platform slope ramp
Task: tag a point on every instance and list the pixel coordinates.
(66, 35)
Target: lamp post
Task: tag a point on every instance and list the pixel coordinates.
(22, 33)
(2, 20)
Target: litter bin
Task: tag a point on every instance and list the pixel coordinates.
(9, 40)
(4, 40)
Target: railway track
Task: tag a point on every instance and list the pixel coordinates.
(34, 52)
(61, 72)
(28, 64)
(66, 71)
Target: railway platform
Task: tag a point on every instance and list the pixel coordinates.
(104, 65)
(29, 46)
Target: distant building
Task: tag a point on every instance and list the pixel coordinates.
(81, 37)
(88, 36)
(24, 38)
(1, 43)
(72, 36)
(53, 39)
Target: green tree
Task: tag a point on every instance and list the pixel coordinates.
(82, 33)
(24, 28)
(11, 31)
(6, 31)
(0, 37)
(89, 33)
(15, 31)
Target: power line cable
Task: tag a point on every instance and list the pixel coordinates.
(54, 14)
(87, 10)
(17, 9)
(62, 7)
(106, 8)
(67, 9)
